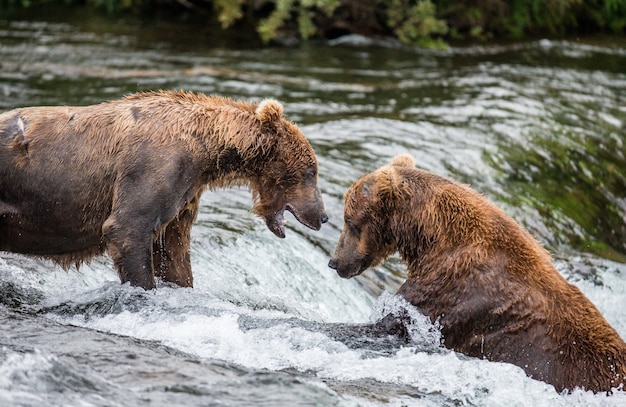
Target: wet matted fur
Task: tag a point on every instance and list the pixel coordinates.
(487, 281)
(126, 176)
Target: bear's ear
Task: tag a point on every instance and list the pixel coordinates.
(269, 110)
(391, 184)
(403, 160)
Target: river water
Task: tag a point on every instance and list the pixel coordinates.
(538, 127)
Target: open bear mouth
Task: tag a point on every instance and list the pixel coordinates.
(301, 219)
(276, 222)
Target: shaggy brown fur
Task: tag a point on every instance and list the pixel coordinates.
(488, 282)
(126, 177)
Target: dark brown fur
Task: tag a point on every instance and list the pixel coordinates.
(489, 283)
(126, 177)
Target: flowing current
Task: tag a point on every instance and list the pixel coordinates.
(537, 127)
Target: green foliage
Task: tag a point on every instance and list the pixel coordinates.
(615, 7)
(475, 18)
(607, 15)
(416, 23)
(14, 3)
(113, 6)
(413, 22)
(615, 15)
(567, 16)
(228, 11)
(268, 28)
(284, 9)
(552, 16)
(306, 27)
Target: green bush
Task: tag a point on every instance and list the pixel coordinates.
(416, 23)
(420, 22)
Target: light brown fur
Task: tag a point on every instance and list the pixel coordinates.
(126, 176)
(489, 283)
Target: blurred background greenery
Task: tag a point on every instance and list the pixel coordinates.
(430, 23)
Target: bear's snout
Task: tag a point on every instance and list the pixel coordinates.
(347, 269)
(311, 215)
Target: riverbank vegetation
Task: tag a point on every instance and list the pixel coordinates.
(430, 23)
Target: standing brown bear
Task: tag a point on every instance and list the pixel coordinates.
(126, 177)
(488, 282)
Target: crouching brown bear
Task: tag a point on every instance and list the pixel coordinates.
(488, 282)
(125, 177)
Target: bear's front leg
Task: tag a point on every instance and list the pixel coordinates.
(170, 251)
(131, 252)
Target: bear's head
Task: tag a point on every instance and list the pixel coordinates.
(288, 179)
(366, 237)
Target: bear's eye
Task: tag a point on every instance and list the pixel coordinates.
(352, 228)
(310, 172)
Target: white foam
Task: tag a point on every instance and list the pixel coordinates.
(20, 373)
(255, 277)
